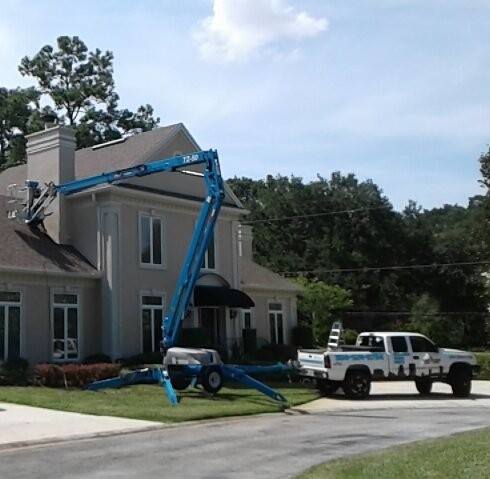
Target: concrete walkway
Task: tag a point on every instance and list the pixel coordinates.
(23, 425)
(400, 395)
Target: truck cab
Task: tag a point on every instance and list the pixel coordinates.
(388, 356)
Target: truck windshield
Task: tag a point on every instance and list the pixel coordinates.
(371, 342)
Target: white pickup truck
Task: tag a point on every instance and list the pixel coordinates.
(385, 356)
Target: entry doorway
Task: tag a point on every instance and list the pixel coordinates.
(212, 320)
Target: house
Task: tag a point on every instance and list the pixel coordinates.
(99, 275)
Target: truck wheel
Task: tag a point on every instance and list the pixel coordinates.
(326, 387)
(211, 379)
(357, 385)
(460, 381)
(180, 382)
(424, 386)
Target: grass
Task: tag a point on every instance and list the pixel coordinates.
(150, 403)
(484, 361)
(458, 456)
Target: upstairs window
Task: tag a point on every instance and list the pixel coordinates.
(151, 240)
(9, 325)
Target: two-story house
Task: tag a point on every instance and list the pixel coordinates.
(99, 276)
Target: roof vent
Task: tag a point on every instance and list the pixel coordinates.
(110, 143)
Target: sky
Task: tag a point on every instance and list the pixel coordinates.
(396, 91)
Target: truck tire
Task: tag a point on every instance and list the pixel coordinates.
(326, 387)
(211, 379)
(357, 385)
(180, 382)
(424, 386)
(460, 381)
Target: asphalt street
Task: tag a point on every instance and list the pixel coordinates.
(269, 446)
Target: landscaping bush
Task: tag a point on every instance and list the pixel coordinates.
(276, 352)
(14, 372)
(74, 375)
(483, 360)
(302, 337)
(350, 336)
(97, 359)
(195, 338)
(141, 359)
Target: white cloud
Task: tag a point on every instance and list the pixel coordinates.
(239, 28)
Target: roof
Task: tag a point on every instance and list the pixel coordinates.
(134, 150)
(254, 276)
(29, 248)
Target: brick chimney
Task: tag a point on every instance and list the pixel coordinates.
(51, 157)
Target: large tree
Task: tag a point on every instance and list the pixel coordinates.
(18, 116)
(80, 84)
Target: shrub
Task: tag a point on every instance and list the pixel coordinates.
(97, 359)
(74, 375)
(141, 359)
(195, 338)
(276, 352)
(14, 372)
(302, 337)
(350, 336)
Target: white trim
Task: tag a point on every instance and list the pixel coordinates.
(216, 241)
(163, 243)
(78, 306)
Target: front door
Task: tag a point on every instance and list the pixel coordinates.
(212, 321)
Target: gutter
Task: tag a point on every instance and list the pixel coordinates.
(44, 272)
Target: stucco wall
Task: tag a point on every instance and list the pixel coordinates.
(36, 324)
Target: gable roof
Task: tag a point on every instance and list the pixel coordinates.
(254, 276)
(134, 150)
(30, 249)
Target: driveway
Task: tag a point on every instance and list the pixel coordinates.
(268, 446)
(20, 425)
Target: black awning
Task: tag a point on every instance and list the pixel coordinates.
(221, 296)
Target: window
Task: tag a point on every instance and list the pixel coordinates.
(372, 342)
(399, 344)
(9, 325)
(246, 319)
(65, 326)
(152, 319)
(276, 323)
(151, 240)
(209, 260)
(422, 345)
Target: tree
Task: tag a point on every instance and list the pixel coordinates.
(72, 76)
(81, 85)
(18, 109)
(322, 303)
(426, 318)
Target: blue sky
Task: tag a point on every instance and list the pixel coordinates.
(392, 90)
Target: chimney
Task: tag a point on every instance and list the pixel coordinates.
(245, 239)
(51, 157)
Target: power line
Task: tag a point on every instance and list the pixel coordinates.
(313, 215)
(410, 313)
(385, 268)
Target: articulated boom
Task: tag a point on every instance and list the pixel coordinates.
(181, 366)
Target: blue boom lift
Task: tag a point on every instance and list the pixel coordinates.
(181, 366)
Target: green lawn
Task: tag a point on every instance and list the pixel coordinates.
(150, 402)
(484, 361)
(458, 456)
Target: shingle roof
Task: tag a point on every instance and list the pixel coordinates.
(254, 276)
(136, 149)
(26, 248)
